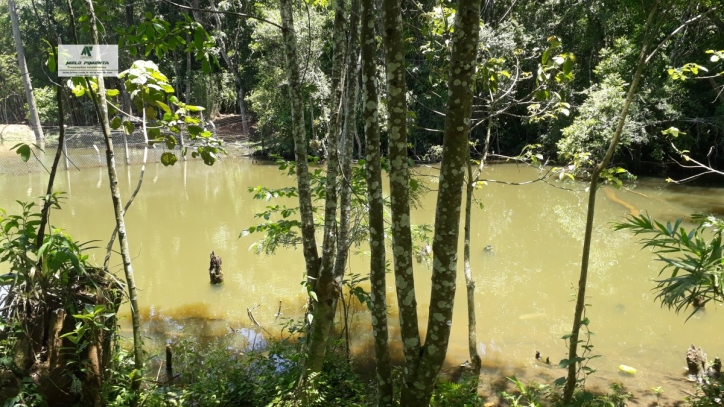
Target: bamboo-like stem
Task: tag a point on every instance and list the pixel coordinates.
(571, 379)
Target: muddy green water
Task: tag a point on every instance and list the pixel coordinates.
(524, 285)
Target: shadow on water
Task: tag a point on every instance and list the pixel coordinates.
(702, 198)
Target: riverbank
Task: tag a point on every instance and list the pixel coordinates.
(234, 338)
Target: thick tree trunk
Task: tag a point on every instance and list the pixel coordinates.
(571, 380)
(399, 188)
(101, 106)
(25, 76)
(328, 286)
(449, 202)
(378, 289)
(311, 257)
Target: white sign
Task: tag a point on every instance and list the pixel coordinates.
(87, 60)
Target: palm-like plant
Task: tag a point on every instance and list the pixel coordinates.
(693, 257)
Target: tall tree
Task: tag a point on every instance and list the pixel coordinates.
(309, 242)
(233, 64)
(573, 359)
(101, 106)
(449, 200)
(399, 188)
(378, 291)
(328, 286)
(422, 363)
(27, 84)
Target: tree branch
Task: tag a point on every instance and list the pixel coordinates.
(231, 13)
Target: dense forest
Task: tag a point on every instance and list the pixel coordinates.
(245, 71)
(341, 93)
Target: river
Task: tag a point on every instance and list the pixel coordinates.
(524, 284)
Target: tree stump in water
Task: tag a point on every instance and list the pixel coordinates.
(215, 274)
(695, 362)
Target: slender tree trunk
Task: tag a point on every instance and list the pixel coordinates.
(349, 131)
(234, 68)
(187, 93)
(101, 106)
(378, 289)
(25, 75)
(309, 243)
(399, 188)
(44, 214)
(571, 380)
(469, 281)
(449, 202)
(328, 287)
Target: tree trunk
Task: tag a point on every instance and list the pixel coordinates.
(349, 131)
(328, 286)
(27, 84)
(234, 68)
(399, 188)
(187, 93)
(469, 281)
(449, 202)
(378, 289)
(571, 380)
(102, 111)
(309, 243)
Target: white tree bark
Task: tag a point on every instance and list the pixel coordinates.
(29, 97)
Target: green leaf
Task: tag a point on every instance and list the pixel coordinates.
(542, 94)
(164, 107)
(170, 142)
(154, 133)
(128, 127)
(112, 92)
(116, 123)
(51, 63)
(168, 158)
(567, 66)
(150, 112)
(194, 130)
(24, 152)
(194, 108)
(546, 56)
(199, 37)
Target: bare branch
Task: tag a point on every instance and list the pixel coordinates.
(681, 27)
(231, 13)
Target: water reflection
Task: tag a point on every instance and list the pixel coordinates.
(523, 286)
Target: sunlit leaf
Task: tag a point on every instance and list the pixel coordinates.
(168, 158)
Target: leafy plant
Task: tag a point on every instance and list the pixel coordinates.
(693, 257)
(581, 361)
(530, 395)
(464, 393)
